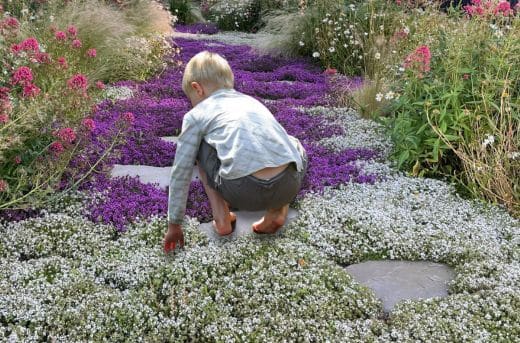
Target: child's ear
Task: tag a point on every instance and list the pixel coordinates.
(197, 88)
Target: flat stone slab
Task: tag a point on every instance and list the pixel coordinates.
(171, 139)
(245, 220)
(393, 281)
(148, 174)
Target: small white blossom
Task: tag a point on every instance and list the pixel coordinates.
(379, 97)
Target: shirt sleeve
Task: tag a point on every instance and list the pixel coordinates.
(181, 173)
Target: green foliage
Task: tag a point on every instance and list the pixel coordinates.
(462, 117)
(181, 9)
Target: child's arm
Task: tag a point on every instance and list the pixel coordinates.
(185, 156)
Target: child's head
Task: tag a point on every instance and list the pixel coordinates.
(209, 70)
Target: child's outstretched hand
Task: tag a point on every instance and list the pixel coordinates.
(173, 238)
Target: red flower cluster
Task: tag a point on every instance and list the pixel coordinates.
(9, 23)
(72, 31)
(30, 90)
(4, 118)
(489, 9)
(78, 82)
(419, 60)
(91, 53)
(3, 186)
(76, 43)
(66, 135)
(100, 85)
(30, 44)
(89, 124)
(60, 35)
(57, 148)
(128, 117)
(63, 62)
(21, 76)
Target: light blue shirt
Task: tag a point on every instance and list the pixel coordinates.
(245, 135)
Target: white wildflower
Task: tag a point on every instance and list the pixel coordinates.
(490, 139)
(377, 56)
(315, 54)
(379, 97)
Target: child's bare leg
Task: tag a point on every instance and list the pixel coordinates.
(272, 220)
(219, 207)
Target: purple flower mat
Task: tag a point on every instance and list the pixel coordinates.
(159, 105)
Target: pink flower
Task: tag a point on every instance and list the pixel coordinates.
(72, 30)
(12, 23)
(17, 159)
(30, 44)
(91, 52)
(465, 76)
(128, 117)
(63, 62)
(78, 81)
(57, 148)
(16, 48)
(504, 8)
(60, 35)
(4, 93)
(330, 71)
(419, 60)
(22, 75)
(76, 43)
(66, 134)
(100, 85)
(30, 90)
(3, 185)
(4, 118)
(89, 124)
(43, 57)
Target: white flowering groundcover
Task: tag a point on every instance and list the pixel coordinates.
(66, 279)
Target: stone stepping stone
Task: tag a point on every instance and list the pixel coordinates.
(148, 174)
(171, 139)
(243, 226)
(393, 281)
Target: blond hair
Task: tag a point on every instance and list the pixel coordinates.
(208, 67)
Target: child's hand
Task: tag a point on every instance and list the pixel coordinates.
(173, 236)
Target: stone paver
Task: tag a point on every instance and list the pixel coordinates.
(171, 139)
(243, 226)
(148, 174)
(393, 281)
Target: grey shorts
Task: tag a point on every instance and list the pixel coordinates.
(250, 193)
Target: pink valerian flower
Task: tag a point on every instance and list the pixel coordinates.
(66, 134)
(12, 23)
(76, 43)
(30, 44)
(16, 48)
(419, 60)
(4, 118)
(91, 52)
(42, 57)
(504, 8)
(57, 148)
(4, 93)
(78, 81)
(63, 62)
(17, 159)
(22, 75)
(100, 85)
(3, 185)
(465, 76)
(128, 117)
(330, 71)
(89, 124)
(60, 35)
(72, 31)
(5, 106)
(30, 90)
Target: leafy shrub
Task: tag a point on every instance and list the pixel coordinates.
(55, 64)
(458, 110)
(181, 9)
(243, 15)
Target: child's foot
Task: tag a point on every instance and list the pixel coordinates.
(272, 221)
(225, 228)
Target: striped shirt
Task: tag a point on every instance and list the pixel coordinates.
(245, 135)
